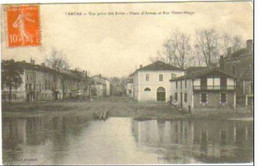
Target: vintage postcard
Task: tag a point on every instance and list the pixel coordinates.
(127, 83)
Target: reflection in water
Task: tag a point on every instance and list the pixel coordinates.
(77, 140)
(27, 137)
(189, 141)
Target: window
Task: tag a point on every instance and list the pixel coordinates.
(223, 82)
(185, 97)
(147, 77)
(173, 75)
(160, 77)
(203, 97)
(203, 83)
(26, 86)
(176, 96)
(176, 84)
(147, 89)
(223, 97)
(185, 83)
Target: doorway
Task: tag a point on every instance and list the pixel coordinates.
(161, 94)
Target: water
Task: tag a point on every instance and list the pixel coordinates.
(78, 140)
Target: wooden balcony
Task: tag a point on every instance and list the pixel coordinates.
(214, 88)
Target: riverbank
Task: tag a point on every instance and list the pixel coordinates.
(117, 107)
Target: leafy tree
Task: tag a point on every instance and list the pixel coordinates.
(11, 75)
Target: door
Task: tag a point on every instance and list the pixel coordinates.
(161, 94)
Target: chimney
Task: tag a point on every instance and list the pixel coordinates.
(229, 51)
(141, 66)
(221, 62)
(249, 45)
(32, 61)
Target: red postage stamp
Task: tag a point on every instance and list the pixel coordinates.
(23, 25)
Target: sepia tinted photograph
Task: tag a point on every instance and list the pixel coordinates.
(127, 83)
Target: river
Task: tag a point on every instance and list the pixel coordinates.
(78, 140)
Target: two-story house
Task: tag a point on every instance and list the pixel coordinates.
(101, 85)
(206, 88)
(151, 82)
(240, 64)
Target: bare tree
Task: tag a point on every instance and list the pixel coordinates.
(158, 57)
(177, 48)
(236, 42)
(208, 45)
(226, 41)
(57, 62)
(195, 59)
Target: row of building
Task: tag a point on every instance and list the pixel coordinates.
(225, 86)
(40, 83)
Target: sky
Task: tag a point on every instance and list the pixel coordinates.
(117, 45)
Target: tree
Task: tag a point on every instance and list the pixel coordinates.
(57, 62)
(195, 59)
(236, 42)
(226, 40)
(11, 75)
(158, 57)
(177, 48)
(208, 45)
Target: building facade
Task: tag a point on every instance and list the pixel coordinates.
(208, 88)
(129, 87)
(41, 83)
(151, 83)
(240, 64)
(100, 86)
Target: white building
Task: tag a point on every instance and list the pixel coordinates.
(152, 82)
(101, 85)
